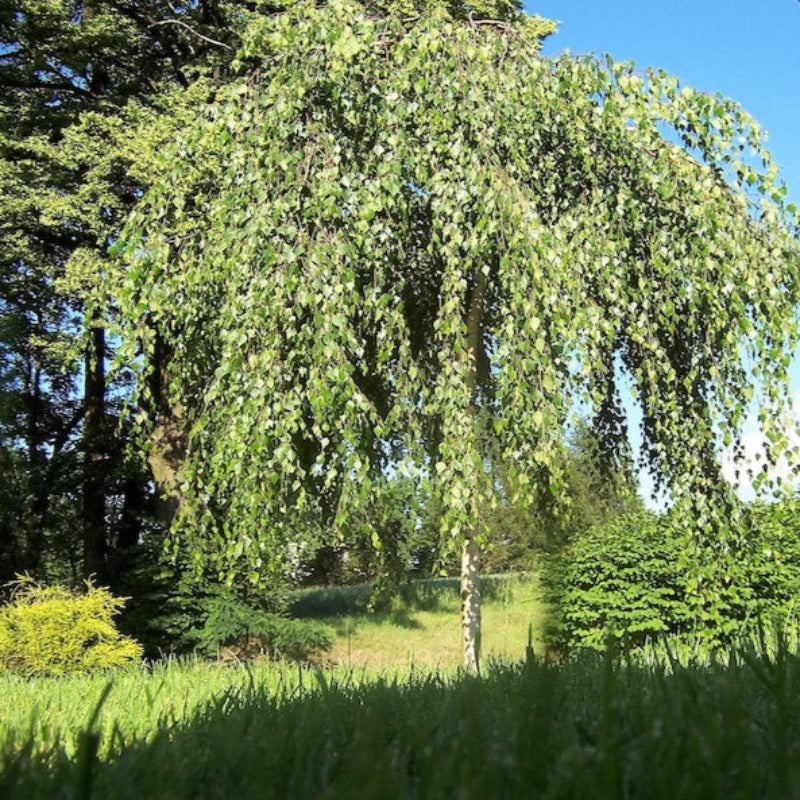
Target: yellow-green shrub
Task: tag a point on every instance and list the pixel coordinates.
(51, 630)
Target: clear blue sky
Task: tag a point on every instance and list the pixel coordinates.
(748, 50)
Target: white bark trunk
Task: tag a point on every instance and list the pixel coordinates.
(471, 604)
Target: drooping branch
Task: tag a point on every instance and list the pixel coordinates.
(191, 30)
(305, 352)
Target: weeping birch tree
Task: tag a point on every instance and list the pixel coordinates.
(397, 232)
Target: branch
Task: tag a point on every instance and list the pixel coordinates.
(143, 22)
(12, 82)
(53, 466)
(64, 434)
(191, 30)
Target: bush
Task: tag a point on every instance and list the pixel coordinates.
(168, 603)
(776, 571)
(243, 632)
(171, 599)
(619, 580)
(627, 580)
(51, 630)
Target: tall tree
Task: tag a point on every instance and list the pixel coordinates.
(395, 229)
(72, 74)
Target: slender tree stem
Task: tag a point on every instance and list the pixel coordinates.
(470, 556)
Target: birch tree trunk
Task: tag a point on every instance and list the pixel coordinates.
(471, 604)
(470, 554)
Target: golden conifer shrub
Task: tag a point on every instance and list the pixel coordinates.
(52, 630)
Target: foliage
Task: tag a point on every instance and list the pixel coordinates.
(166, 605)
(170, 602)
(388, 541)
(627, 580)
(595, 492)
(176, 611)
(392, 233)
(387, 250)
(587, 727)
(244, 632)
(89, 91)
(776, 572)
(618, 581)
(50, 630)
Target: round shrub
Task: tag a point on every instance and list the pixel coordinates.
(51, 630)
(636, 577)
(620, 581)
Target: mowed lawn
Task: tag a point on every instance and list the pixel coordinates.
(420, 626)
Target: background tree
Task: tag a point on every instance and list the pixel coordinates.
(399, 536)
(520, 535)
(76, 78)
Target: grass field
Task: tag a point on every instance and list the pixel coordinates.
(586, 727)
(421, 626)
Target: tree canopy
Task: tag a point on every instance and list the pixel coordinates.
(395, 231)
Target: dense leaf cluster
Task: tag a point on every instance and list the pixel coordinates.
(619, 581)
(84, 90)
(394, 234)
(385, 250)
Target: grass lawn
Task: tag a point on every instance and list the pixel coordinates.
(397, 719)
(421, 627)
(588, 728)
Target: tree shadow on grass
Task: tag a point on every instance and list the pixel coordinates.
(399, 617)
(584, 728)
(403, 619)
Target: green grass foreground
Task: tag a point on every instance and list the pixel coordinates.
(588, 728)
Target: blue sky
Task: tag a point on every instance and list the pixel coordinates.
(747, 50)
